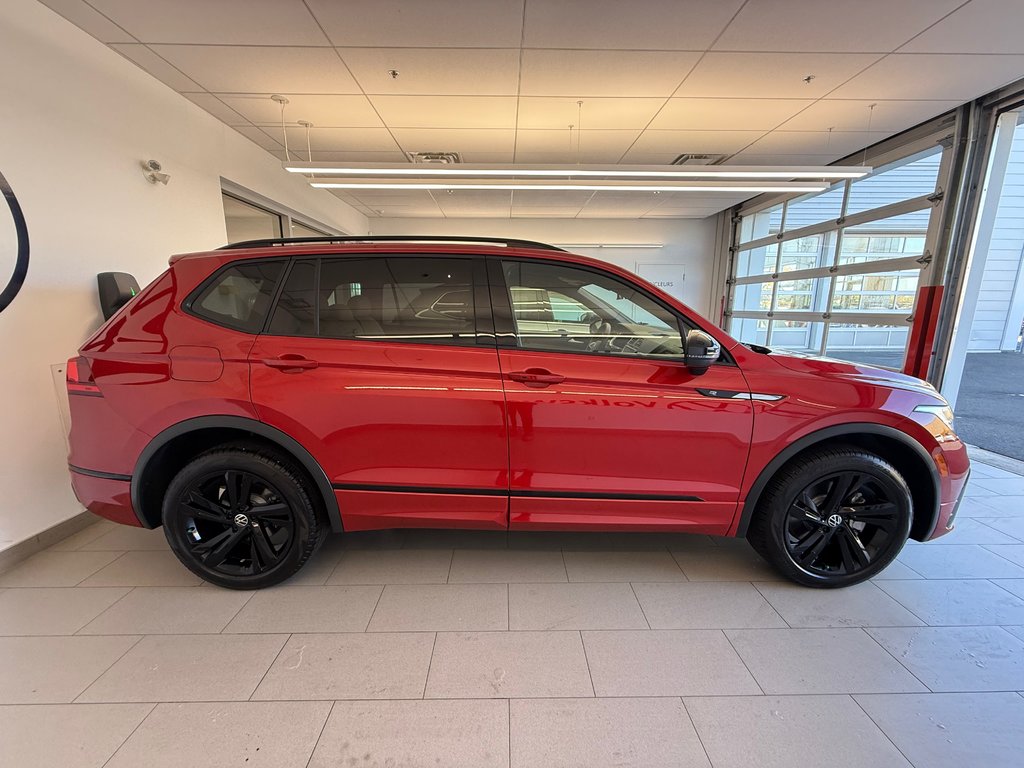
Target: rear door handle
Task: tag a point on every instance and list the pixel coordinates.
(290, 363)
(536, 377)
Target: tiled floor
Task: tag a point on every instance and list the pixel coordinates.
(438, 648)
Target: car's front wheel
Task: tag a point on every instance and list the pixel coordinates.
(241, 518)
(833, 517)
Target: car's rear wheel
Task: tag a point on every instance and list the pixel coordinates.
(833, 517)
(241, 518)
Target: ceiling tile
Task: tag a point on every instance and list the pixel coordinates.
(259, 137)
(447, 111)
(438, 23)
(853, 115)
(463, 140)
(482, 156)
(435, 71)
(837, 144)
(981, 26)
(684, 25)
(581, 141)
(569, 157)
(958, 77)
(333, 140)
(559, 112)
(550, 198)
(830, 25)
(531, 212)
(758, 158)
(248, 69)
(353, 111)
(406, 212)
(217, 108)
(603, 73)
(224, 22)
(696, 142)
(323, 156)
(772, 75)
(156, 66)
(719, 114)
(83, 15)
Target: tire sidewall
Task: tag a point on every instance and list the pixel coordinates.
(276, 474)
(786, 494)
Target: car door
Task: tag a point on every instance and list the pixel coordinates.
(384, 367)
(607, 426)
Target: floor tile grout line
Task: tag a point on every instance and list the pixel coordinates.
(321, 734)
(106, 669)
(90, 621)
(430, 665)
(904, 607)
(682, 700)
(509, 700)
(129, 736)
(641, 605)
(743, 661)
(236, 614)
(451, 562)
(508, 607)
(772, 606)
(986, 547)
(586, 659)
(927, 687)
(366, 629)
(270, 666)
(879, 727)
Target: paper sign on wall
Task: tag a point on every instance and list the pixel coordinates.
(668, 277)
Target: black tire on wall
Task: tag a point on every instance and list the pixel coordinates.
(242, 517)
(833, 517)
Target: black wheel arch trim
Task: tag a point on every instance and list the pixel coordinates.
(274, 435)
(829, 433)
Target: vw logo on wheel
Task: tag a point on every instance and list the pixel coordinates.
(835, 520)
(13, 246)
(241, 520)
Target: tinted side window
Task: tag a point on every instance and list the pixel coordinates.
(412, 299)
(295, 313)
(239, 297)
(560, 308)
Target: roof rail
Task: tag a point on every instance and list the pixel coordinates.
(510, 243)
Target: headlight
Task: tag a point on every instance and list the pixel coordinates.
(943, 412)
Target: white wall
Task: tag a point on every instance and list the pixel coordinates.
(75, 121)
(690, 242)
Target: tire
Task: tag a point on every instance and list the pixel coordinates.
(833, 517)
(242, 517)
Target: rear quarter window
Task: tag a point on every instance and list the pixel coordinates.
(239, 296)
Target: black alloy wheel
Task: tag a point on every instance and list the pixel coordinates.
(241, 519)
(833, 518)
(838, 525)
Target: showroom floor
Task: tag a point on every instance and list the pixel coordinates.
(474, 649)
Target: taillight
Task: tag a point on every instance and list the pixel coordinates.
(79, 377)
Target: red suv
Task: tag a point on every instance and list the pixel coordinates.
(255, 397)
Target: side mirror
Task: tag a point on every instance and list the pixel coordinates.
(116, 289)
(701, 351)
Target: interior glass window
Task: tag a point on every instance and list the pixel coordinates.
(240, 296)
(409, 299)
(559, 308)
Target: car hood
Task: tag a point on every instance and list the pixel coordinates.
(841, 369)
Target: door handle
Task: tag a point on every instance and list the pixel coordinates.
(536, 377)
(290, 363)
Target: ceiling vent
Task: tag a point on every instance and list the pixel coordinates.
(689, 159)
(436, 158)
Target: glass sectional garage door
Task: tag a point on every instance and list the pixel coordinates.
(837, 272)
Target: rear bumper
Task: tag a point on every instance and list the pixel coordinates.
(104, 494)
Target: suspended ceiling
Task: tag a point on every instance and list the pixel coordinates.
(499, 81)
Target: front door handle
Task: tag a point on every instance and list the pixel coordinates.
(536, 377)
(290, 363)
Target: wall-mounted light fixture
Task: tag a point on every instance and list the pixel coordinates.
(153, 172)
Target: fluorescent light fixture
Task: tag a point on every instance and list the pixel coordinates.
(574, 186)
(583, 171)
